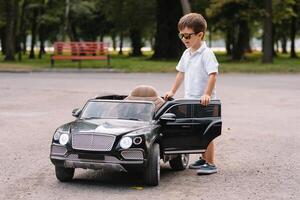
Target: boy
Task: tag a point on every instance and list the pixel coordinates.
(198, 67)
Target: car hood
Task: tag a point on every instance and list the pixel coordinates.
(111, 126)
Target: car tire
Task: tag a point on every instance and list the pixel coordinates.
(180, 162)
(64, 174)
(152, 170)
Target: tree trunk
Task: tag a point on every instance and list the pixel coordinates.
(113, 38)
(283, 44)
(33, 34)
(136, 42)
(101, 37)
(267, 35)
(167, 44)
(73, 33)
(24, 42)
(293, 33)
(2, 38)
(121, 44)
(10, 33)
(42, 42)
(229, 42)
(186, 6)
(247, 36)
(22, 31)
(274, 41)
(239, 44)
(66, 29)
(114, 42)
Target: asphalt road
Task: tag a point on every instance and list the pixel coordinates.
(258, 154)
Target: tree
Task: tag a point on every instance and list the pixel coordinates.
(282, 14)
(21, 30)
(294, 30)
(2, 26)
(234, 18)
(140, 16)
(34, 11)
(267, 34)
(11, 7)
(129, 18)
(115, 14)
(167, 44)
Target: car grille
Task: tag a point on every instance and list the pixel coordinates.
(132, 155)
(92, 141)
(106, 158)
(58, 150)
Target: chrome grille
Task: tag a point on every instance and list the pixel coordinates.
(58, 150)
(106, 158)
(111, 159)
(73, 156)
(132, 155)
(92, 141)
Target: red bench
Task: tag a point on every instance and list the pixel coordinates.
(77, 51)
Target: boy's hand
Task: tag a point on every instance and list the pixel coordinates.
(205, 99)
(168, 95)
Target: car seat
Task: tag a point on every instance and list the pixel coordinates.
(146, 93)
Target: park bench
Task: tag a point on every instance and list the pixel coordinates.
(78, 51)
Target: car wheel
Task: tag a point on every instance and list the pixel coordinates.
(180, 162)
(152, 170)
(64, 174)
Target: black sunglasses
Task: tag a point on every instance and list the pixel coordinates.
(186, 36)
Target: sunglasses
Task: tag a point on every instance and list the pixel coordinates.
(186, 36)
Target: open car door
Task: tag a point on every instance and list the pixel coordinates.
(194, 128)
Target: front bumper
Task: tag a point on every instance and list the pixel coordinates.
(73, 159)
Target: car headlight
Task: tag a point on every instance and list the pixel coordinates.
(56, 135)
(126, 142)
(64, 139)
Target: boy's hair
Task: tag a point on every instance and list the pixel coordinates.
(194, 21)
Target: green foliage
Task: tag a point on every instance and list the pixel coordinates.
(226, 14)
(94, 19)
(125, 14)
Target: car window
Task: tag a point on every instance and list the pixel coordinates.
(181, 111)
(201, 111)
(118, 110)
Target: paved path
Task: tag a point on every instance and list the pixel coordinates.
(258, 155)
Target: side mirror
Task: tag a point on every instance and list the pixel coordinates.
(76, 112)
(168, 117)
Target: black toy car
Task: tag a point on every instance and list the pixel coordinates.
(134, 135)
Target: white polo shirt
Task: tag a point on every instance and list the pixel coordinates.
(197, 67)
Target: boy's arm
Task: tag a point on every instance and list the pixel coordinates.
(178, 80)
(205, 99)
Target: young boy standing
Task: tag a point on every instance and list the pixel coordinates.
(198, 67)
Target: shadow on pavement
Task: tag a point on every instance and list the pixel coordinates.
(109, 178)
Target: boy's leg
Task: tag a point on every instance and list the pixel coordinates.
(209, 156)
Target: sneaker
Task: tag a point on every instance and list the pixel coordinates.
(207, 169)
(197, 164)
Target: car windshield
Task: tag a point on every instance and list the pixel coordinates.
(139, 111)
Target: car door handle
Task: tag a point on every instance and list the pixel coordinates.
(186, 126)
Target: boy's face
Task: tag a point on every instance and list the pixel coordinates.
(190, 38)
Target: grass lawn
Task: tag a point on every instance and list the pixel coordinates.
(251, 64)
